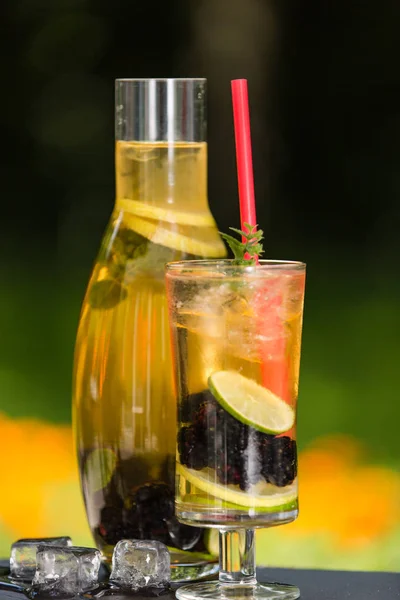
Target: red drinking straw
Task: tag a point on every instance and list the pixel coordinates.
(274, 374)
(244, 159)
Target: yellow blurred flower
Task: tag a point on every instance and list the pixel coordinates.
(341, 496)
(41, 466)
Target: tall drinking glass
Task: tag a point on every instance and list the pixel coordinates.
(236, 337)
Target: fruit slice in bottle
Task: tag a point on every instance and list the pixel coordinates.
(158, 213)
(251, 403)
(261, 495)
(99, 468)
(173, 239)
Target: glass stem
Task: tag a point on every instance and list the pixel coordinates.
(237, 556)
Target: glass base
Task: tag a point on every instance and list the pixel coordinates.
(233, 519)
(191, 570)
(225, 591)
(185, 566)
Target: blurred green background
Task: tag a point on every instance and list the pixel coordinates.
(324, 89)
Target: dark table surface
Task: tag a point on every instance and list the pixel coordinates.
(314, 585)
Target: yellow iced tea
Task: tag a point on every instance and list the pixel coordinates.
(237, 337)
(124, 401)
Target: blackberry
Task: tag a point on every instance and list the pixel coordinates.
(147, 511)
(243, 435)
(264, 444)
(223, 430)
(189, 405)
(206, 416)
(155, 497)
(191, 448)
(239, 454)
(230, 443)
(195, 442)
(232, 472)
(279, 465)
(111, 528)
(243, 465)
(206, 441)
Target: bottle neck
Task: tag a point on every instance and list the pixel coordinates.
(165, 175)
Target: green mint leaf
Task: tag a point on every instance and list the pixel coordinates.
(236, 246)
(239, 232)
(259, 235)
(252, 229)
(228, 237)
(252, 246)
(106, 294)
(257, 249)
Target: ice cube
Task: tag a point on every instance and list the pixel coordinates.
(65, 571)
(139, 564)
(237, 304)
(23, 555)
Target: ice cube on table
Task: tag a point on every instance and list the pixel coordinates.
(23, 555)
(140, 563)
(66, 571)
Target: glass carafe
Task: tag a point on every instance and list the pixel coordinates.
(123, 396)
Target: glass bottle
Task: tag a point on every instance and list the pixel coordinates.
(124, 405)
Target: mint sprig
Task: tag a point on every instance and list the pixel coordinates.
(252, 246)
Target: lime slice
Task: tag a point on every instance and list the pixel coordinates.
(213, 502)
(262, 495)
(158, 213)
(172, 239)
(251, 403)
(196, 556)
(211, 541)
(99, 468)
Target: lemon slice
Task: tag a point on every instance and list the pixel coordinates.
(262, 495)
(177, 241)
(251, 403)
(158, 213)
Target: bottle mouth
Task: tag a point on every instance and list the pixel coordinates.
(161, 110)
(161, 79)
